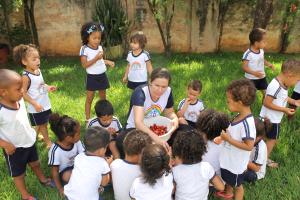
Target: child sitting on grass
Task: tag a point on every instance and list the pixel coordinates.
(258, 158)
(238, 139)
(17, 138)
(125, 171)
(91, 169)
(191, 175)
(190, 107)
(62, 153)
(211, 123)
(156, 181)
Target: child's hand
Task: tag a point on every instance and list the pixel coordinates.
(290, 111)
(109, 159)
(225, 136)
(272, 67)
(61, 192)
(188, 101)
(258, 74)
(38, 107)
(9, 148)
(51, 88)
(112, 131)
(99, 55)
(125, 80)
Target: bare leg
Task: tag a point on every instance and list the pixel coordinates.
(66, 176)
(36, 168)
(44, 131)
(102, 94)
(88, 104)
(270, 145)
(20, 185)
(239, 193)
(263, 92)
(228, 189)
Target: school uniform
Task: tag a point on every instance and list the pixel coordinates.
(192, 112)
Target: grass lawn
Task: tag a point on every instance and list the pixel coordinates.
(214, 70)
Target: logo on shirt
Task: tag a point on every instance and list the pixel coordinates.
(43, 88)
(192, 116)
(153, 111)
(136, 66)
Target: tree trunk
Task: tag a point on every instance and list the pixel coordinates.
(168, 28)
(29, 11)
(222, 13)
(7, 22)
(263, 12)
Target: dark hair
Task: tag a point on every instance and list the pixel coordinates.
(96, 138)
(262, 126)
(154, 163)
(7, 77)
(195, 85)
(242, 90)
(135, 141)
(63, 126)
(140, 38)
(87, 29)
(21, 51)
(104, 107)
(160, 73)
(291, 66)
(212, 122)
(189, 146)
(256, 35)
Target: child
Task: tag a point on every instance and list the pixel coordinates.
(139, 63)
(191, 175)
(91, 57)
(63, 151)
(91, 170)
(190, 107)
(211, 123)
(105, 119)
(258, 158)
(35, 89)
(17, 138)
(296, 96)
(125, 171)
(156, 181)
(239, 139)
(275, 101)
(254, 61)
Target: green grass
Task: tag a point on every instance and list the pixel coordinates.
(214, 70)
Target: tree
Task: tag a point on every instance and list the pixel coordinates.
(263, 12)
(28, 6)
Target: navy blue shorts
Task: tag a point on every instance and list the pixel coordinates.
(296, 96)
(96, 82)
(274, 133)
(40, 118)
(133, 85)
(17, 162)
(260, 84)
(234, 180)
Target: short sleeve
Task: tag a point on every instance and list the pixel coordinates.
(138, 97)
(247, 55)
(248, 132)
(119, 125)
(132, 192)
(202, 106)
(170, 102)
(83, 51)
(181, 103)
(105, 169)
(80, 147)
(208, 171)
(260, 155)
(146, 56)
(273, 89)
(128, 58)
(53, 156)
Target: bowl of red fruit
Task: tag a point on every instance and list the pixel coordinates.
(161, 126)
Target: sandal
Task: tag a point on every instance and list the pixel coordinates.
(31, 198)
(223, 195)
(48, 183)
(272, 164)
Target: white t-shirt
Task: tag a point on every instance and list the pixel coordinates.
(141, 97)
(232, 158)
(259, 156)
(123, 174)
(192, 181)
(161, 190)
(193, 110)
(138, 66)
(38, 91)
(15, 127)
(280, 95)
(86, 177)
(98, 67)
(115, 124)
(212, 156)
(256, 62)
(297, 87)
(63, 158)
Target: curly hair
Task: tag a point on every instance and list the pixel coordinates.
(21, 51)
(154, 163)
(242, 90)
(189, 146)
(140, 38)
(212, 122)
(291, 66)
(263, 126)
(135, 141)
(87, 29)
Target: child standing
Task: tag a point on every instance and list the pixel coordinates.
(139, 62)
(125, 171)
(191, 175)
(17, 138)
(254, 61)
(105, 119)
(91, 170)
(35, 89)
(91, 58)
(239, 139)
(258, 158)
(62, 153)
(190, 107)
(156, 182)
(211, 123)
(276, 99)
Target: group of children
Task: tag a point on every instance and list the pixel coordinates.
(207, 151)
